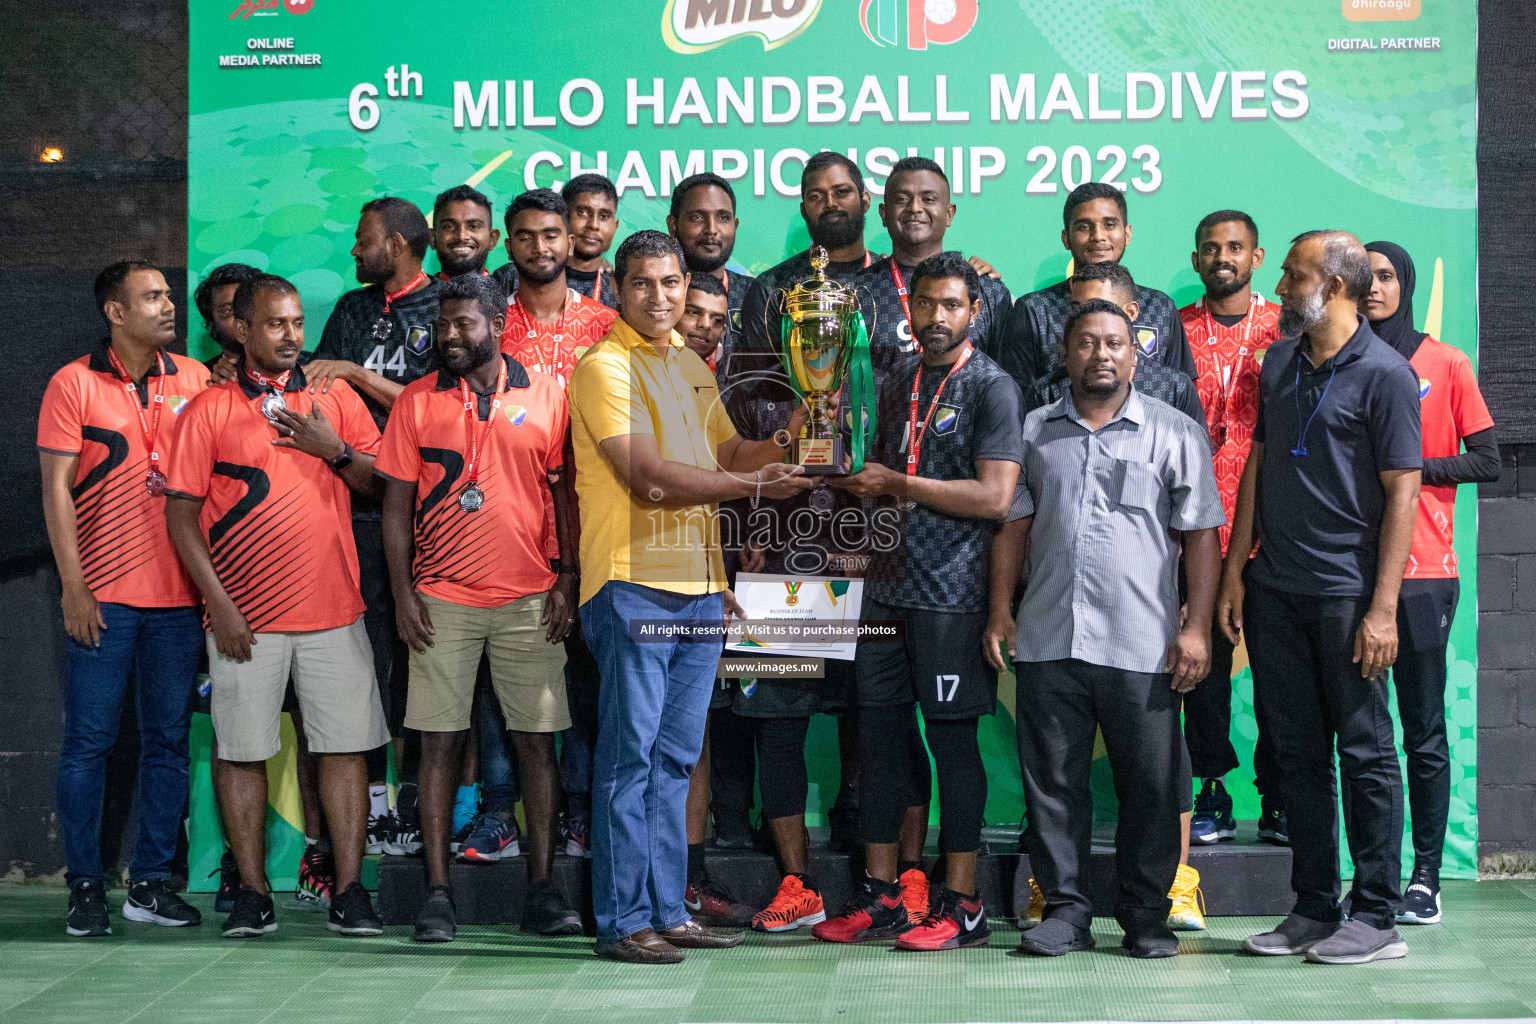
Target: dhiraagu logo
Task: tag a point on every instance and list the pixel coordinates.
(693, 26)
(916, 23)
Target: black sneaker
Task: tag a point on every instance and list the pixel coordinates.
(253, 915)
(873, 912)
(401, 839)
(153, 902)
(462, 835)
(1212, 821)
(1421, 900)
(88, 911)
(1273, 829)
(545, 912)
(436, 921)
(352, 912)
(229, 883)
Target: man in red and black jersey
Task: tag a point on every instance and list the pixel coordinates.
(103, 439)
(260, 483)
(379, 339)
(593, 203)
(471, 455)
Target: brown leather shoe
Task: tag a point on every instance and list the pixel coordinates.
(643, 947)
(693, 935)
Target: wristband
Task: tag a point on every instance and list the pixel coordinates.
(342, 461)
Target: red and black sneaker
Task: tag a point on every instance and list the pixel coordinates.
(872, 913)
(710, 903)
(957, 922)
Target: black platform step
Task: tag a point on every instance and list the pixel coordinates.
(1243, 878)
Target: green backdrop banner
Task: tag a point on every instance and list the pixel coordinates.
(1359, 114)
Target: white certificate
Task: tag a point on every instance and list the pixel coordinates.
(797, 616)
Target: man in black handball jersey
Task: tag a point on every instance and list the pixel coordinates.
(1096, 229)
(948, 458)
(380, 338)
(593, 215)
(916, 212)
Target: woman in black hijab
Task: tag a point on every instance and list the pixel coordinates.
(1389, 306)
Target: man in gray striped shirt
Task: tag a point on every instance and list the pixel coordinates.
(1113, 481)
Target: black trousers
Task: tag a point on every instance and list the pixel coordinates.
(1313, 699)
(1059, 705)
(732, 764)
(1208, 727)
(1425, 609)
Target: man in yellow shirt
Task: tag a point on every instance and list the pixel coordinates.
(655, 454)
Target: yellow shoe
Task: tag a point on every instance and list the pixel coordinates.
(1036, 910)
(1188, 912)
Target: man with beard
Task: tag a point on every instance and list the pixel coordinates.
(215, 298)
(593, 203)
(1095, 229)
(1229, 329)
(378, 340)
(549, 326)
(1114, 485)
(259, 510)
(948, 451)
(916, 212)
(463, 233)
(1329, 494)
(703, 220)
(469, 459)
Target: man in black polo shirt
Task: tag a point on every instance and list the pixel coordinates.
(703, 220)
(916, 212)
(1096, 229)
(380, 338)
(950, 443)
(1330, 492)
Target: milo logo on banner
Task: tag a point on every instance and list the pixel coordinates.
(693, 26)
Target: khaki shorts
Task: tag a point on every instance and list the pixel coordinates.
(332, 672)
(527, 673)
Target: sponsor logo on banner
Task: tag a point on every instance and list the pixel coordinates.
(1382, 10)
(693, 26)
(270, 8)
(916, 23)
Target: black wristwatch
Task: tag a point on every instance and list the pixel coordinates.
(343, 460)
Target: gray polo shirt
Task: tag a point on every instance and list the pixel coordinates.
(1103, 584)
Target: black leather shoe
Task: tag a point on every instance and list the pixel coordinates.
(692, 935)
(643, 947)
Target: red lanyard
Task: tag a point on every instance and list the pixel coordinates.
(1226, 373)
(914, 432)
(901, 293)
(150, 426)
(416, 282)
(278, 383)
(554, 350)
(471, 441)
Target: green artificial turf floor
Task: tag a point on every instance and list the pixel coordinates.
(1479, 963)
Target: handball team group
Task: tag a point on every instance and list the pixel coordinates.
(441, 527)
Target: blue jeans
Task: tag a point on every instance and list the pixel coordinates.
(651, 712)
(158, 648)
(499, 789)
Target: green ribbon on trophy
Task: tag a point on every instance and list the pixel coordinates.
(822, 342)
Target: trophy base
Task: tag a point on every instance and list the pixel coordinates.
(820, 456)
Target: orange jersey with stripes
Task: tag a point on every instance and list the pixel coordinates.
(533, 342)
(278, 521)
(125, 552)
(1228, 361)
(1450, 408)
(494, 555)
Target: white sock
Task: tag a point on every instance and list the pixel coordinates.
(378, 800)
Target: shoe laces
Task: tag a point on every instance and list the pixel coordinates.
(866, 897)
(248, 899)
(791, 891)
(88, 893)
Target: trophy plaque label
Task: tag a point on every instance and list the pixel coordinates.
(820, 454)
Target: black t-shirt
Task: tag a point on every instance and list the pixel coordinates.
(890, 335)
(506, 276)
(1034, 329)
(1356, 416)
(584, 281)
(1229, 319)
(941, 561)
(406, 353)
(1152, 378)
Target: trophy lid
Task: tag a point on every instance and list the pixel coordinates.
(817, 294)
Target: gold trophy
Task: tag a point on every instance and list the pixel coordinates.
(820, 334)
